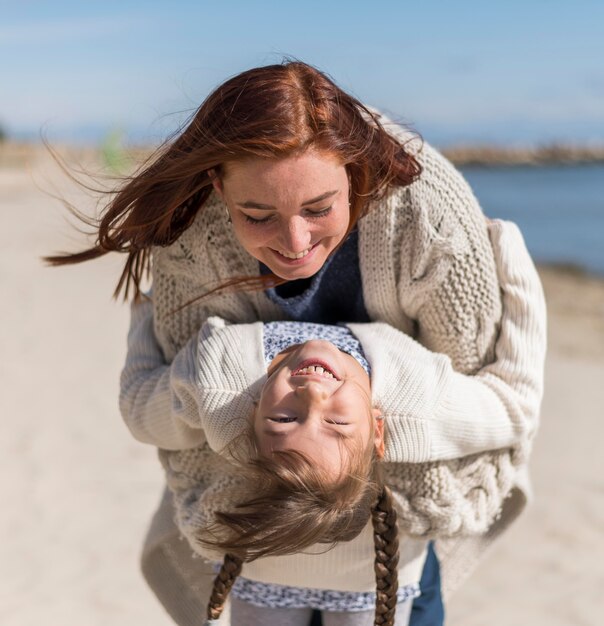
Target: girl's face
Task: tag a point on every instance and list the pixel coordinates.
(315, 398)
(288, 213)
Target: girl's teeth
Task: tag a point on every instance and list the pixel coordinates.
(314, 369)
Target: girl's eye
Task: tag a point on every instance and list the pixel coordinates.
(282, 420)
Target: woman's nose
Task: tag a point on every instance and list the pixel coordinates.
(296, 235)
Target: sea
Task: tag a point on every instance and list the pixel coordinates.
(559, 209)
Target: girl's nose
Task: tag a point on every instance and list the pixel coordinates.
(296, 235)
(312, 391)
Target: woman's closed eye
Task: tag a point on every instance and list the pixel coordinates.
(254, 220)
(265, 220)
(319, 212)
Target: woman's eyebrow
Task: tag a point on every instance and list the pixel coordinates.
(323, 196)
(250, 204)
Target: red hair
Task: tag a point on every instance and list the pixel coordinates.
(271, 112)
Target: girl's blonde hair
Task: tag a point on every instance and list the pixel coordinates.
(295, 506)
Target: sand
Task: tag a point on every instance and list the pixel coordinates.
(78, 491)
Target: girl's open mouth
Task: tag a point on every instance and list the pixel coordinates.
(315, 367)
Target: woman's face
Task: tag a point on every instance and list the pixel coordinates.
(315, 397)
(288, 213)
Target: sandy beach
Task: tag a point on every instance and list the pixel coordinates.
(78, 491)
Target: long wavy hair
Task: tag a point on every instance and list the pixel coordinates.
(269, 112)
(295, 506)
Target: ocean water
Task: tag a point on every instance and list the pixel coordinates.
(560, 209)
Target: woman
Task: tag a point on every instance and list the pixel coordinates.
(286, 197)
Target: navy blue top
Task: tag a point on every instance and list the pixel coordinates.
(334, 294)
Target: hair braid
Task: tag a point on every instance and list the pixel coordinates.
(385, 538)
(231, 568)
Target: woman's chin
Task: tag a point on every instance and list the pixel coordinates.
(295, 273)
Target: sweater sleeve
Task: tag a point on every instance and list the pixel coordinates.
(205, 394)
(159, 402)
(435, 412)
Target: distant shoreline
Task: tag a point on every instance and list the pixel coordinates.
(17, 160)
(13, 154)
(570, 270)
(496, 156)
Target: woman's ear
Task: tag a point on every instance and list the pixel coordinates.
(380, 447)
(216, 182)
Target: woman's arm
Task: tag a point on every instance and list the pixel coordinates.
(475, 304)
(435, 412)
(158, 401)
(206, 393)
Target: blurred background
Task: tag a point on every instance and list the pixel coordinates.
(513, 93)
(527, 78)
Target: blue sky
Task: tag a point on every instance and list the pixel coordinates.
(514, 72)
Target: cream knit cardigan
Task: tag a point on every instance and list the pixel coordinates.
(464, 403)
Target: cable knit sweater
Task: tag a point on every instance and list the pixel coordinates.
(467, 503)
(428, 271)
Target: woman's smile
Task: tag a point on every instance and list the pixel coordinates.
(294, 258)
(295, 255)
(290, 213)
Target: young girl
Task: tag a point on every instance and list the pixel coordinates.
(287, 198)
(317, 402)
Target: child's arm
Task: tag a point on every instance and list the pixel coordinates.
(204, 394)
(434, 412)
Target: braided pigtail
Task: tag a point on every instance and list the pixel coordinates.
(231, 568)
(385, 538)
